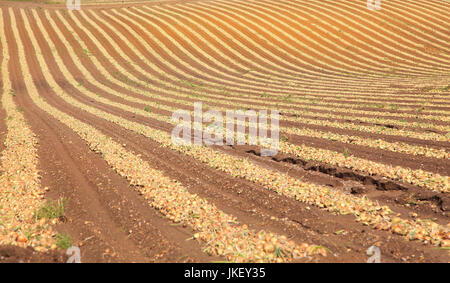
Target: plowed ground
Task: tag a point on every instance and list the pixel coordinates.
(364, 112)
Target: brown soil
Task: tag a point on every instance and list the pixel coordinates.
(13, 254)
(111, 222)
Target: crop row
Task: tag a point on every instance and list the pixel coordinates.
(382, 35)
(21, 193)
(433, 136)
(378, 112)
(122, 14)
(178, 15)
(426, 16)
(417, 177)
(172, 54)
(332, 200)
(224, 11)
(393, 24)
(369, 103)
(398, 147)
(237, 96)
(220, 232)
(265, 33)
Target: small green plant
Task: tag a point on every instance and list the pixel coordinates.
(51, 209)
(244, 72)
(317, 248)
(444, 248)
(284, 138)
(288, 97)
(147, 109)
(412, 199)
(279, 252)
(393, 106)
(29, 234)
(63, 241)
(12, 92)
(346, 152)
(87, 52)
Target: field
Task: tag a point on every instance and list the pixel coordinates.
(88, 160)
